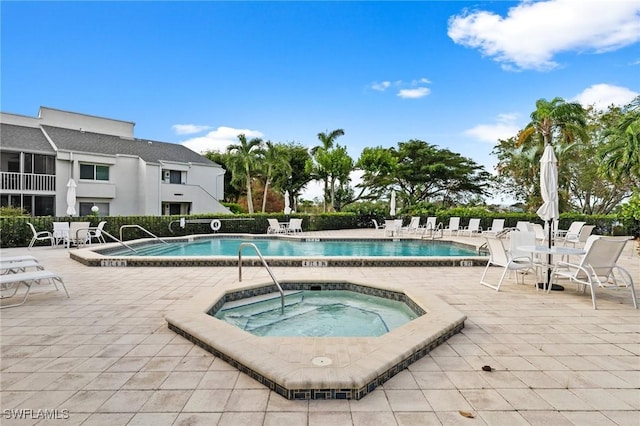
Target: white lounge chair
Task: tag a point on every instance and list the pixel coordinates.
(28, 279)
(39, 236)
(496, 228)
(522, 225)
(598, 267)
(473, 228)
(8, 267)
(413, 225)
(573, 231)
(454, 226)
(500, 257)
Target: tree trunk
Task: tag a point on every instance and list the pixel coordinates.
(249, 198)
(264, 196)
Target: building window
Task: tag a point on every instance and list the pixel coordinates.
(94, 172)
(85, 209)
(39, 164)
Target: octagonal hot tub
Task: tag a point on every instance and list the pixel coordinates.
(298, 367)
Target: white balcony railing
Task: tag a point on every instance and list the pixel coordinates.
(27, 182)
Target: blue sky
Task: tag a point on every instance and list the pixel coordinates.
(456, 74)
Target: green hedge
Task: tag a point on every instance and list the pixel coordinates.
(14, 231)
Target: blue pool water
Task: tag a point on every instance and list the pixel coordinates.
(297, 248)
(327, 313)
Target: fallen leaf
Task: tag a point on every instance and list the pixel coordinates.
(486, 368)
(467, 414)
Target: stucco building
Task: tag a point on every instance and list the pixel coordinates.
(120, 174)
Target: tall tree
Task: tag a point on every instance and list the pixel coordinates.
(231, 192)
(337, 165)
(301, 166)
(621, 155)
(275, 168)
(327, 140)
(243, 160)
(555, 122)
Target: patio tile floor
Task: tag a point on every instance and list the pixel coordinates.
(107, 357)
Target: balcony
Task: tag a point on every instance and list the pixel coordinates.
(22, 182)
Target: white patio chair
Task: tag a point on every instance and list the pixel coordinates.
(541, 236)
(561, 235)
(496, 228)
(14, 267)
(275, 227)
(500, 257)
(598, 267)
(473, 228)
(375, 224)
(295, 225)
(61, 233)
(97, 232)
(581, 238)
(392, 227)
(454, 226)
(39, 236)
(522, 225)
(79, 233)
(432, 226)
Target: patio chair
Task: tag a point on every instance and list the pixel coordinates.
(275, 227)
(295, 225)
(97, 232)
(541, 236)
(14, 267)
(499, 256)
(28, 279)
(496, 228)
(561, 235)
(522, 225)
(375, 224)
(598, 267)
(473, 228)
(392, 227)
(454, 226)
(432, 226)
(61, 233)
(39, 236)
(79, 233)
(581, 238)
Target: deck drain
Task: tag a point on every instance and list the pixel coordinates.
(321, 361)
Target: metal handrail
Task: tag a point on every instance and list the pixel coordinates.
(119, 241)
(141, 228)
(264, 262)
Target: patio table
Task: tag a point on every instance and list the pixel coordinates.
(548, 263)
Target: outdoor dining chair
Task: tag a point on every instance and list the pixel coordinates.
(39, 236)
(498, 256)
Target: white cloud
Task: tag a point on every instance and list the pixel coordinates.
(418, 92)
(603, 95)
(382, 86)
(504, 128)
(188, 129)
(219, 139)
(533, 32)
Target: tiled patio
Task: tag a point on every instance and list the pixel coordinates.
(106, 357)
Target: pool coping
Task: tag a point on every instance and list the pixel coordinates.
(285, 364)
(90, 256)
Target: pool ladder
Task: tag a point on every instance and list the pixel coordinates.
(264, 263)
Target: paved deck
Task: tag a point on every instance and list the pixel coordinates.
(106, 357)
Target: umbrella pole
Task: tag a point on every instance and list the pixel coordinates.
(554, 287)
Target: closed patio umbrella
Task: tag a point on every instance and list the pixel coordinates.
(287, 204)
(392, 204)
(71, 197)
(549, 211)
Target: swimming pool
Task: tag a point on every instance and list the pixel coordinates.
(222, 250)
(314, 313)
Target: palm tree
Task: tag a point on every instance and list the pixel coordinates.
(243, 161)
(621, 156)
(276, 168)
(326, 140)
(555, 121)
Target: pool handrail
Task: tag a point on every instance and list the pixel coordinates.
(264, 263)
(141, 228)
(120, 241)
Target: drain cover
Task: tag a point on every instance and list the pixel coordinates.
(321, 361)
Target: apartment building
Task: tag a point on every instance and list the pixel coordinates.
(114, 171)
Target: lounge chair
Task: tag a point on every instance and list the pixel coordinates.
(295, 225)
(276, 227)
(413, 225)
(97, 232)
(28, 279)
(39, 236)
(9, 267)
(522, 225)
(454, 226)
(432, 226)
(500, 257)
(597, 267)
(473, 228)
(496, 228)
(581, 238)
